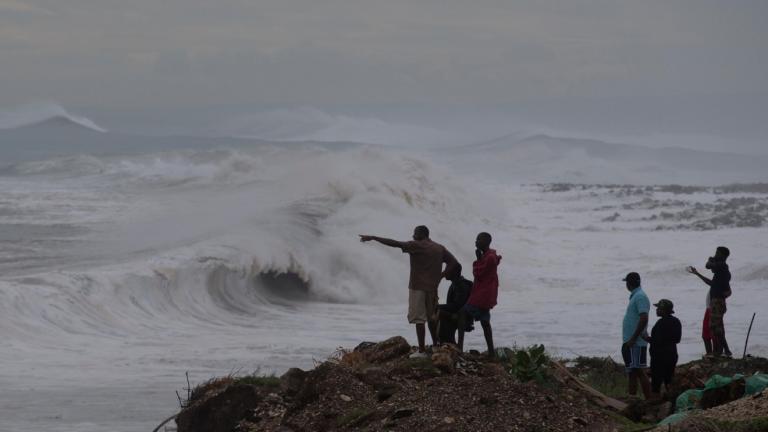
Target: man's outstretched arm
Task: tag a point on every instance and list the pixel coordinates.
(382, 240)
(692, 270)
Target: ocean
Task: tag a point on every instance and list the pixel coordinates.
(127, 262)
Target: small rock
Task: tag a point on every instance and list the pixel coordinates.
(345, 398)
(273, 398)
(526, 415)
(487, 400)
(443, 361)
(386, 391)
(579, 421)
(449, 420)
(401, 413)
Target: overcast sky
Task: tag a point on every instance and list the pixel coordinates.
(617, 66)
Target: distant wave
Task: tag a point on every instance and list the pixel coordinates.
(312, 124)
(33, 114)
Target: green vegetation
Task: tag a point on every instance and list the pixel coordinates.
(603, 375)
(528, 363)
(627, 425)
(258, 380)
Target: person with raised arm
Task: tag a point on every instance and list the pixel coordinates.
(427, 258)
(719, 290)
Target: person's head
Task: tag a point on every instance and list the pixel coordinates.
(664, 308)
(483, 241)
(722, 253)
(633, 280)
(421, 232)
(455, 273)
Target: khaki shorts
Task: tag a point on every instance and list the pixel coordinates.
(422, 306)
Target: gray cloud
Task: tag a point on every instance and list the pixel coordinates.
(540, 54)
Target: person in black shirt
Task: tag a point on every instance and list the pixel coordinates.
(664, 338)
(719, 290)
(457, 296)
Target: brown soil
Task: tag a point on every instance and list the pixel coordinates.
(379, 388)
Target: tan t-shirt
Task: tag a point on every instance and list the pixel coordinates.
(427, 258)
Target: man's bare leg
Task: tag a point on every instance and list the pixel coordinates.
(432, 325)
(632, 387)
(726, 350)
(645, 384)
(420, 336)
(488, 333)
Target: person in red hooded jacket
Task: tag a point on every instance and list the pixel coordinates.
(484, 291)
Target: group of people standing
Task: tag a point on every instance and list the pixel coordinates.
(467, 301)
(667, 331)
(471, 301)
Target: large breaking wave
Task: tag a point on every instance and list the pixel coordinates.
(216, 237)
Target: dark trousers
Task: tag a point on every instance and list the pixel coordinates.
(662, 369)
(447, 328)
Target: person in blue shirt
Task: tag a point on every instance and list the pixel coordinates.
(634, 347)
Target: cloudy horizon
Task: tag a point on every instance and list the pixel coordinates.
(692, 72)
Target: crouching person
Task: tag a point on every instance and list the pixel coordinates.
(484, 291)
(449, 313)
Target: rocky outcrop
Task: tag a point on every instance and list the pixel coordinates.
(221, 412)
(378, 387)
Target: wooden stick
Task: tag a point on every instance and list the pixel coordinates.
(164, 422)
(600, 398)
(744, 356)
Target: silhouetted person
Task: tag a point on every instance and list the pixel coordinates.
(484, 291)
(427, 258)
(456, 298)
(719, 290)
(664, 338)
(634, 348)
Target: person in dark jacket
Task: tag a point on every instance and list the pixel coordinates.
(719, 290)
(664, 338)
(456, 298)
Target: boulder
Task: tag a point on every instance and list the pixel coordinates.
(222, 412)
(384, 351)
(292, 381)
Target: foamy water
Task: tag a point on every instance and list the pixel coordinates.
(119, 273)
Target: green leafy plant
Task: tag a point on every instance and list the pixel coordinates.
(529, 364)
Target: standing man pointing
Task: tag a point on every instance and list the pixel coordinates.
(427, 259)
